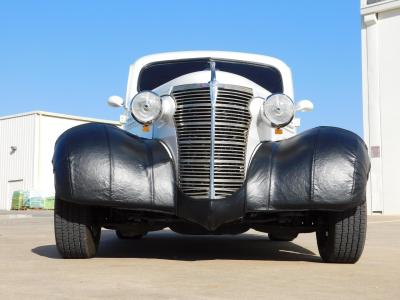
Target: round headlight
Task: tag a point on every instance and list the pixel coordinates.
(278, 109)
(146, 107)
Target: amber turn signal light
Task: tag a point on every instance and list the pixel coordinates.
(278, 131)
(146, 128)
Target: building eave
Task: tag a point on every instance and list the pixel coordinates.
(380, 7)
(61, 116)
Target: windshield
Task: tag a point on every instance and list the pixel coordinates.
(156, 74)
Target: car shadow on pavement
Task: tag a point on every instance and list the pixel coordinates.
(171, 246)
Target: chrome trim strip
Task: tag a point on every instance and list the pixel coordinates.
(185, 87)
(189, 86)
(213, 97)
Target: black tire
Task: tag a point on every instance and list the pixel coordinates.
(124, 236)
(282, 237)
(342, 237)
(77, 236)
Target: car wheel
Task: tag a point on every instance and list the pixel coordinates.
(341, 238)
(127, 236)
(77, 235)
(282, 237)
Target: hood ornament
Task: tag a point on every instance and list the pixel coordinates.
(213, 73)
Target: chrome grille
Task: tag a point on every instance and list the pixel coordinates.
(193, 125)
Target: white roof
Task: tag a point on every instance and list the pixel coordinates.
(238, 56)
(61, 116)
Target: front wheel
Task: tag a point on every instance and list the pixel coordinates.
(77, 235)
(341, 237)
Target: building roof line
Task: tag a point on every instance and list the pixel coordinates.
(58, 115)
(379, 7)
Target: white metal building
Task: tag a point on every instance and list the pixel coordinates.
(26, 149)
(381, 93)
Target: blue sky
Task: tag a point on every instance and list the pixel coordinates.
(68, 57)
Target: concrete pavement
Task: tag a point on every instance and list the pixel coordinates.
(164, 265)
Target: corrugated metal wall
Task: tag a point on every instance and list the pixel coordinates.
(29, 167)
(18, 164)
(50, 128)
(381, 93)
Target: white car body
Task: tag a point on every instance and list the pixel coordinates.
(164, 128)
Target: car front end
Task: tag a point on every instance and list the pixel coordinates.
(209, 145)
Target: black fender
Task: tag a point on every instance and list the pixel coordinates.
(100, 164)
(324, 168)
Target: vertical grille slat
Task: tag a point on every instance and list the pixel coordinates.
(193, 125)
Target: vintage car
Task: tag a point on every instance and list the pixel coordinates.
(208, 145)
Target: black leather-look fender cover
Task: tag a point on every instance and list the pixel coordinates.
(100, 164)
(325, 168)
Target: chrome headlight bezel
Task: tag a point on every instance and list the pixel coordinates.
(270, 110)
(137, 109)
